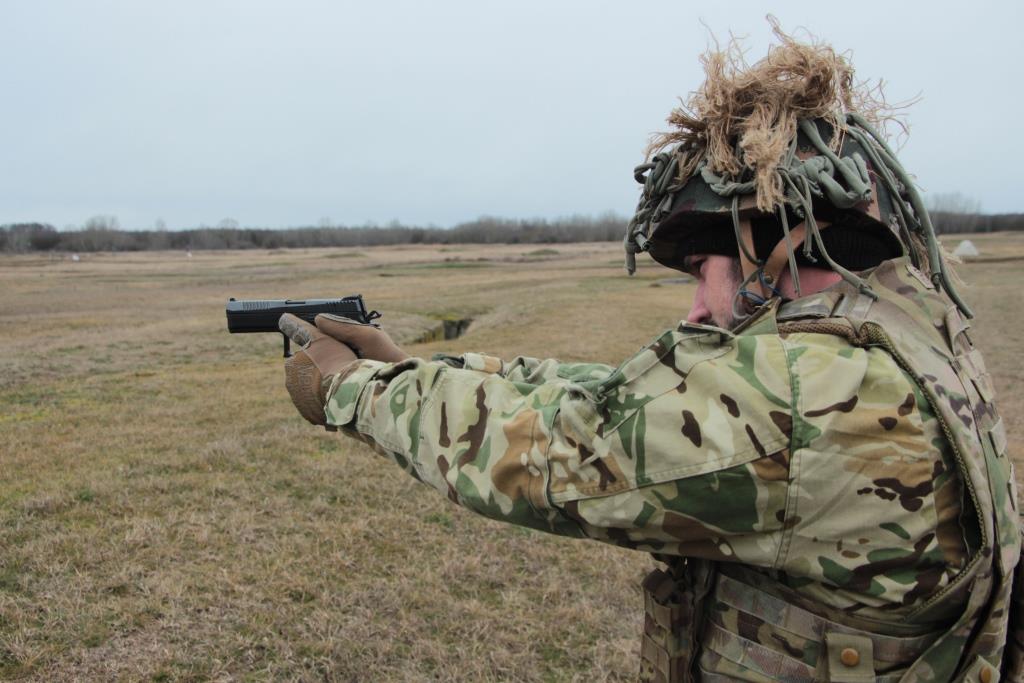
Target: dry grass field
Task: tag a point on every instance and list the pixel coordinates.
(166, 515)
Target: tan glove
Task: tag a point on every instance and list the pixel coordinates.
(304, 372)
(367, 340)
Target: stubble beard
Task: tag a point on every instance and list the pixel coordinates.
(735, 282)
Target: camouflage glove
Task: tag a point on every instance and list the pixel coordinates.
(367, 340)
(307, 372)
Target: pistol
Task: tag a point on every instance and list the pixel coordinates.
(261, 315)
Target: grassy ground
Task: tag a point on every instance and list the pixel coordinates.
(165, 514)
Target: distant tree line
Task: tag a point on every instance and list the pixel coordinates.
(947, 222)
(953, 212)
(103, 234)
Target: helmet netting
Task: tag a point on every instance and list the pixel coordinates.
(745, 115)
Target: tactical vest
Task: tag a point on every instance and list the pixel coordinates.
(685, 639)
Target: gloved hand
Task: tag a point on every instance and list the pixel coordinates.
(320, 357)
(367, 340)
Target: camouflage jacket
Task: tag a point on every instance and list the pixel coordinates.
(798, 455)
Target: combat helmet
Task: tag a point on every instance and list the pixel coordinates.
(781, 163)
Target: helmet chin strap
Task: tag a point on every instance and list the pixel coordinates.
(765, 275)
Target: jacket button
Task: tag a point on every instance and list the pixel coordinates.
(849, 657)
(986, 675)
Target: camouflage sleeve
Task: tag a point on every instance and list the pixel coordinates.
(528, 370)
(638, 455)
(749, 448)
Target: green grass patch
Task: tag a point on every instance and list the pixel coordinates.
(442, 519)
(85, 495)
(11, 577)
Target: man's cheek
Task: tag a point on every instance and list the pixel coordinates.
(722, 312)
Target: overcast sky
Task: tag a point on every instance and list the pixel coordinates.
(288, 113)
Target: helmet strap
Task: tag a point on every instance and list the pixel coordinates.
(771, 269)
(781, 255)
(748, 262)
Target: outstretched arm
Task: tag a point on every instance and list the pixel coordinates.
(686, 449)
(623, 455)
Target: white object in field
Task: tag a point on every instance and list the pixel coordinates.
(965, 248)
(189, 254)
(74, 257)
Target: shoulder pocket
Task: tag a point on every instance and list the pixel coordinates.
(659, 367)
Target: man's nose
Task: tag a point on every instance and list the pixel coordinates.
(699, 310)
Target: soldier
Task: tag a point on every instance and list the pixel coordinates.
(814, 453)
